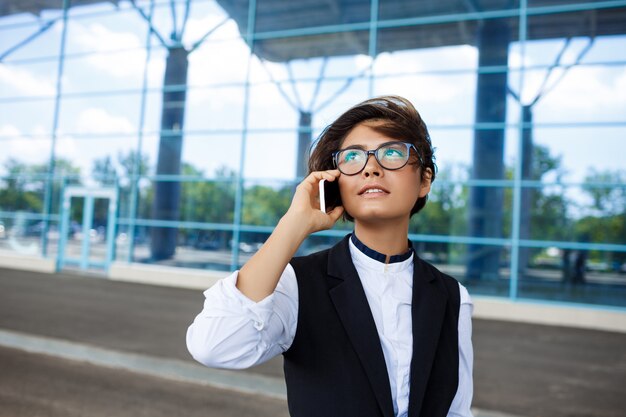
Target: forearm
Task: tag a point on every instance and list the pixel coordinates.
(259, 276)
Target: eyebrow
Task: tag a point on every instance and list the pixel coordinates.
(363, 148)
(354, 147)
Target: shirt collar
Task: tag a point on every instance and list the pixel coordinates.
(380, 257)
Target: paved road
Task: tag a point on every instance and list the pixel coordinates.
(522, 369)
(40, 385)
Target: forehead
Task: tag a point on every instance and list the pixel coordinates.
(363, 135)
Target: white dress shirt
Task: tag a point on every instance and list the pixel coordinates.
(234, 332)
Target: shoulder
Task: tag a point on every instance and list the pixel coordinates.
(310, 260)
(449, 283)
(442, 276)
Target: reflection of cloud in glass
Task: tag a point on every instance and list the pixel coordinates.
(95, 120)
(23, 82)
(99, 39)
(24, 149)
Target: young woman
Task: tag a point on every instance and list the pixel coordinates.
(366, 328)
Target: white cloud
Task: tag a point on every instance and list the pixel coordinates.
(97, 37)
(25, 83)
(66, 146)
(95, 120)
(9, 131)
(24, 149)
(219, 62)
(100, 39)
(595, 93)
(197, 28)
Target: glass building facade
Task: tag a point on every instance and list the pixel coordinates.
(174, 132)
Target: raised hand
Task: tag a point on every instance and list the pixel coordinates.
(305, 204)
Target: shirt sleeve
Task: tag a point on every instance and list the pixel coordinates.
(463, 399)
(235, 332)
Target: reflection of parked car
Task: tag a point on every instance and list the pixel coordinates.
(206, 244)
(249, 247)
(34, 230)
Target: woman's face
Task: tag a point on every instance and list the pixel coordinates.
(375, 194)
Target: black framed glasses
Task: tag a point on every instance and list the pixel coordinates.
(390, 155)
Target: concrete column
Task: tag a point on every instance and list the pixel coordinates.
(167, 193)
(486, 203)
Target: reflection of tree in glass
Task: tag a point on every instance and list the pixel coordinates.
(606, 219)
(22, 186)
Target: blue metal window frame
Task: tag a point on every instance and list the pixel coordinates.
(523, 12)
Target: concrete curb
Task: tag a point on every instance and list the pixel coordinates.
(171, 369)
(144, 364)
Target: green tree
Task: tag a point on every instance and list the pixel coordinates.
(606, 220)
(122, 174)
(23, 186)
(444, 213)
(548, 218)
(264, 206)
(208, 201)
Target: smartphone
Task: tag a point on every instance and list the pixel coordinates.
(329, 195)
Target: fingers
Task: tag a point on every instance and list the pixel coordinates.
(335, 213)
(316, 176)
(311, 181)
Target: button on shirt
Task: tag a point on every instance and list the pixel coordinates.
(234, 332)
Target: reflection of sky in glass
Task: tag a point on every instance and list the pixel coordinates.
(106, 57)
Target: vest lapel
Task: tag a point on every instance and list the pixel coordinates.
(428, 310)
(353, 309)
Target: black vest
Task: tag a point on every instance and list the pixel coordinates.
(335, 366)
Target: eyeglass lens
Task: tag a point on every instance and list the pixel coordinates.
(389, 156)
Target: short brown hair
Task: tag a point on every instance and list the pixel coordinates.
(397, 119)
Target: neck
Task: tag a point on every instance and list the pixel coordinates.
(387, 238)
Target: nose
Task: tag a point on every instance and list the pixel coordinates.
(372, 167)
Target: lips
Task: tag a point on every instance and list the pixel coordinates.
(372, 189)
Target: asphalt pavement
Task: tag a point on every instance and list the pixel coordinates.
(77, 345)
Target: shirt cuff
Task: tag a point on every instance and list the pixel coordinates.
(259, 312)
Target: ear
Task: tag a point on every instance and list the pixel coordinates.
(425, 181)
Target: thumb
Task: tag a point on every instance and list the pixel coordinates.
(336, 213)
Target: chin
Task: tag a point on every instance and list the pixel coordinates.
(375, 215)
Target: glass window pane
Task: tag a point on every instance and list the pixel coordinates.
(592, 213)
(216, 108)
(195, 248)
(468, 264)
(208, 201)
(455, 209)
(32, 153)
(231, 67)
(271, 155)
(26, 118)
(265, 202)
(22, 191)
(569, 154)
(212, 155)
(31, 41)
(440, 99)
(272, 16)
(285, 49)
(100, 115)
(201, 200)
(574, 275)
(402, 9)
(104, 72)
(106, 32)
(602, 21)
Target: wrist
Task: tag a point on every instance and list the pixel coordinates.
(297, 228)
